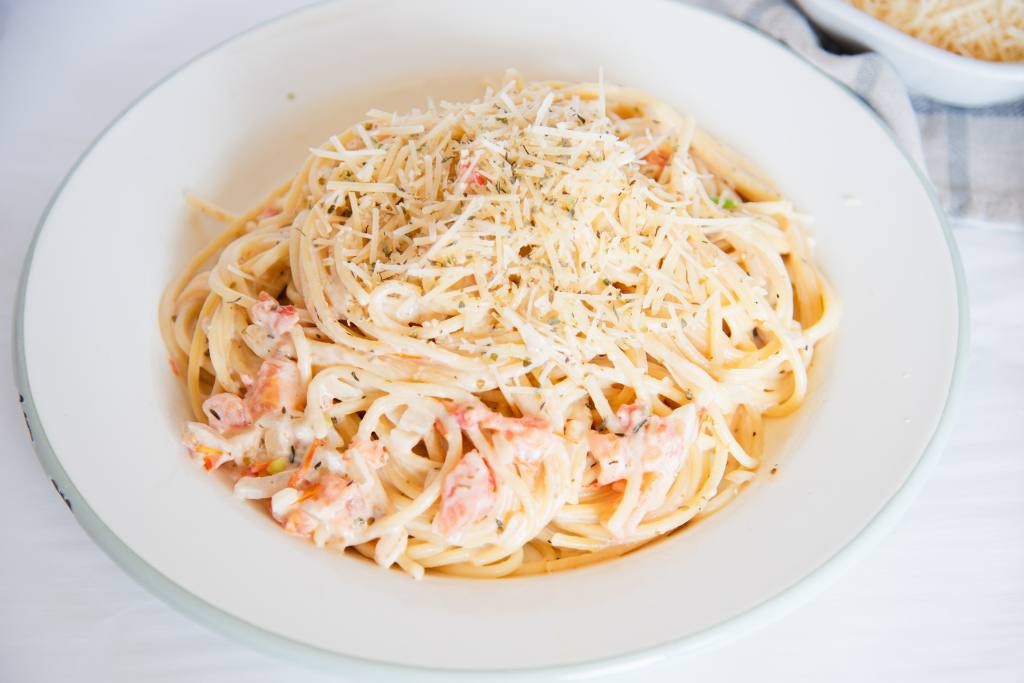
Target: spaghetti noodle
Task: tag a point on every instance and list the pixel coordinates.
(501, 337)
(991, 30)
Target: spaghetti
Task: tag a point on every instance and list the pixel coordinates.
(502, 337)
(991, 30)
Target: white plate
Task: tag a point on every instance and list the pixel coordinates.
(934, 72)
(106, 412)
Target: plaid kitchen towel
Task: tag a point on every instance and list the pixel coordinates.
(975, 157)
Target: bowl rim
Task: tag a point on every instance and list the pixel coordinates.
(861, 24)
(294, 651)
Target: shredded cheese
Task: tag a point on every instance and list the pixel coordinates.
(991, 30)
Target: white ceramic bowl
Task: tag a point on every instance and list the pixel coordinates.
(929, 70)
(106, 412)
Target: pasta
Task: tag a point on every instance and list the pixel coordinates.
(502, 337)
(992, 30)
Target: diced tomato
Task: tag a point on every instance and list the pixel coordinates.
(333, 505)
(469, 417)
(371, 451)
(275, 319)
(277, 386)
(612, 463)
(651, 443)
(468, 493)
(300, 522)
(659, 159)
(226, 412)
(468, 172)
(530, 437)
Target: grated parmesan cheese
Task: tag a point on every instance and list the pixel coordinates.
(991, 30)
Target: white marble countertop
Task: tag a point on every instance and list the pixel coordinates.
(940, 599)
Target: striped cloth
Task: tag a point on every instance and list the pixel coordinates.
(974, 157)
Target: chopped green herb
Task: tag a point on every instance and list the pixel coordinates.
(462, 304)
(727, 203)
(355, 376)
(501, 524)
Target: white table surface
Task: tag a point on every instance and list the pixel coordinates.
(940, 599)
